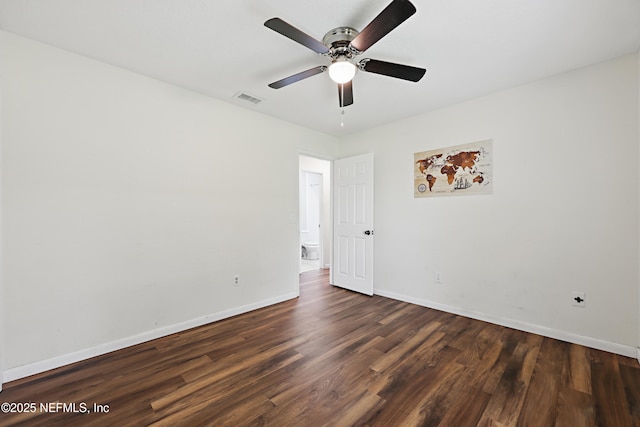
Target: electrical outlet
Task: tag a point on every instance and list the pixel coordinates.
(577, 299)
(438, 277)
(236, 280)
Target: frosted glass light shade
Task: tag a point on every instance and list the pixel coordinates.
(342, 71)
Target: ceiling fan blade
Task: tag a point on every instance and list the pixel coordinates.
(345, 94)
(393, 15)
(288, 30)
(297, 77)
(399, 71)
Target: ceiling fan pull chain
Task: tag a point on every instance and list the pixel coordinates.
(342, 106)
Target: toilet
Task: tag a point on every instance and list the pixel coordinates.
(310, 250)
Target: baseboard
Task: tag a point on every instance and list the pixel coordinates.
(66, 359)
(638, 354)
(595, 343)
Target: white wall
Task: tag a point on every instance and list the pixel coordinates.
(323, 167)
(129, 204)
(563, 216)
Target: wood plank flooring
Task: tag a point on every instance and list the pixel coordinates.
(337, 358)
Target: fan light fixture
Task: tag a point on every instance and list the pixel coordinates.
(342, 70)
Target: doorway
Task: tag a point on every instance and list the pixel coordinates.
(315, 213)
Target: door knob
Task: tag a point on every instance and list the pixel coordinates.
(368, 232)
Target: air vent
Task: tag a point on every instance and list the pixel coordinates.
(248, 98)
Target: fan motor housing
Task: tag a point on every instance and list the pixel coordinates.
(338, 39)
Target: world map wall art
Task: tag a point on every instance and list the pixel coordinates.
(454, 171)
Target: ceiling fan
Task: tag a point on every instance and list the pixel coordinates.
(342, 44)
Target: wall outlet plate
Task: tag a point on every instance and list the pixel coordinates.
(578, 299)
(438, 277)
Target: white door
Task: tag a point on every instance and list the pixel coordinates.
(353, 223)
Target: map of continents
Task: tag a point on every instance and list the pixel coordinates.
(462, 169)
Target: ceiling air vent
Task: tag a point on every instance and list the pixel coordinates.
(248, 98)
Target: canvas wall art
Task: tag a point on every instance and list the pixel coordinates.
(454, 171)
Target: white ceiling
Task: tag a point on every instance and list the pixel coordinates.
(220, 47)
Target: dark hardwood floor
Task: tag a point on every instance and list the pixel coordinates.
(337, 358)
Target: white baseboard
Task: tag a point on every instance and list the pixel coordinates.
(66, 359)
(598, 344)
